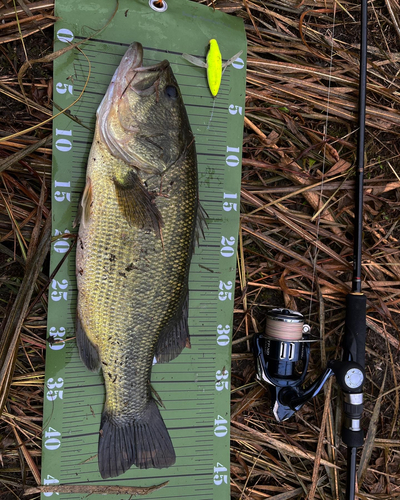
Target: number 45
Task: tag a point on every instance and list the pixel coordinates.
(220, 478)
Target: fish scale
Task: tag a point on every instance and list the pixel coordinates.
(133, 271)
(105, 285)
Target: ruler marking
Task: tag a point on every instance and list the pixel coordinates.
(84, 392)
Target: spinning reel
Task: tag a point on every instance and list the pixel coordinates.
(281, 358)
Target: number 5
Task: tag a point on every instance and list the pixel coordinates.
(233, 109)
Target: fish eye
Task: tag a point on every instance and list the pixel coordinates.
(171, 91)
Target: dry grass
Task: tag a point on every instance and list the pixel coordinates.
(296, 241)
(295, 238)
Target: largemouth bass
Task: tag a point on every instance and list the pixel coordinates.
(140, 220)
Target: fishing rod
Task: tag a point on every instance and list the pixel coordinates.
(286, 343)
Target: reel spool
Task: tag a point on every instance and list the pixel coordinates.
(286, 325)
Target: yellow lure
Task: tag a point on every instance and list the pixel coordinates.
(215, 67)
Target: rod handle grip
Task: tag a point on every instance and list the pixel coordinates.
(355, 328)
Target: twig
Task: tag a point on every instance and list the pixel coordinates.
(90, 489)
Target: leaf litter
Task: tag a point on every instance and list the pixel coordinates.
(295, 240)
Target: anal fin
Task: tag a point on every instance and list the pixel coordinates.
(87, 351)
(175, 335)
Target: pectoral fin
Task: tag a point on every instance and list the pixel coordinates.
(137, 204)
(85, 204)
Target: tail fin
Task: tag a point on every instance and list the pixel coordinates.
(143, 442)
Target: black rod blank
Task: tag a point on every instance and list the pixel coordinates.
(355, 324)
(351, 473)
(360, 151)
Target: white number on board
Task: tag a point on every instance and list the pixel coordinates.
(223, 294)
(223, 337)
(57, 336)
(222, 380)
(48, 481)
(227, 244)
(51, 439)
(220, 429)
(55, 387)
(218, 477)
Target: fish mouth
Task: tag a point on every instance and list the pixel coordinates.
(133, 57)
(141, 79)
(146, 78)
(161, 66)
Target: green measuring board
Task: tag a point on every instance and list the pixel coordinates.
(195, 387)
